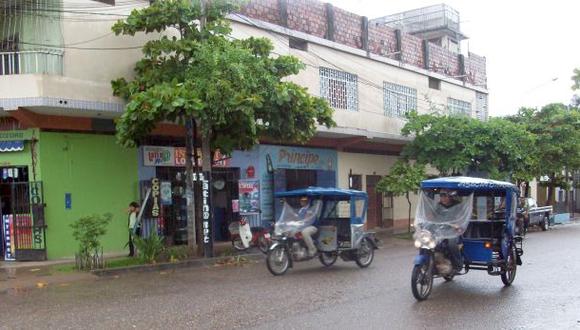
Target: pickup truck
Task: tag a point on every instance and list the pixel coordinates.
(530, 214)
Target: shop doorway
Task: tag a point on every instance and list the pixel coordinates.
(298, 179)
(21, 216)
(374, 213)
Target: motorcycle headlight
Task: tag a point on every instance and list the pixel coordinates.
(424, 239)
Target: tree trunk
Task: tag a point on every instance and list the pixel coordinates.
(551, 190)
(189, 191)
(409, 201)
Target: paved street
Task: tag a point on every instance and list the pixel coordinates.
(545, 295)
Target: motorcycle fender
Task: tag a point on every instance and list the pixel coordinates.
(421, 259)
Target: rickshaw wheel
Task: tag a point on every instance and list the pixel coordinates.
(509, 273)
(278, 260)
(238, 244)
(328, 258)
(365, 253)
(421, 282)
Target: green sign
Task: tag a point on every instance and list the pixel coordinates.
(16, 135)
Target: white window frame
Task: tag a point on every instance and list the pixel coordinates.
(339, 88)
(398, 100)
(459, 107)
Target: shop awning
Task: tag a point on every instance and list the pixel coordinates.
(6, 146)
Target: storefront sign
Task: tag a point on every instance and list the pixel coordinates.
(206, 217)
(16, 135)
(298, 158)
(249, 200)
(155, 198)
(166, 193)
(158, 156)
(220, 160)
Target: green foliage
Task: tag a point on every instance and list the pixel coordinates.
(123, 262)
(576, 79)
(88, 231)
(176, 253)
(457, 144)
(402, 179)
(234, 88)
(149, 248)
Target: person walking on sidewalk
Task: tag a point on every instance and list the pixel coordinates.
(132, 224)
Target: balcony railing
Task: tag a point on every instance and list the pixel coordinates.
(31, 61)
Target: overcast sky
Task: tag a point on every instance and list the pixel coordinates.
(531, 47)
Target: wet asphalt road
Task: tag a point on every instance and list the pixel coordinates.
(545, 295)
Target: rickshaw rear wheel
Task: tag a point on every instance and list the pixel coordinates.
(365, 253)
(278, 260)
(328, 258)
(509, 273)
(421, 281)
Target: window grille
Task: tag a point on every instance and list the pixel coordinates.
(398, 99)
(458, 107)
(339, 88)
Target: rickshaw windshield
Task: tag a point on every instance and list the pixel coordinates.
(295, 217)
(444, 213)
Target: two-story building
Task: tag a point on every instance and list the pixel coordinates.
(57, 144)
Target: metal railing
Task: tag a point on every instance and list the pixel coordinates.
(31, 61)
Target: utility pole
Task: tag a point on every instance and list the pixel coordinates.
(189, 188)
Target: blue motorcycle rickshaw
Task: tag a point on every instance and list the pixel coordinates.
(339, 216)
(465, 223)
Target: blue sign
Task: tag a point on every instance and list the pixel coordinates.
(67, 201)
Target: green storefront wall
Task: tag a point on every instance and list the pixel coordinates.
(99, 175)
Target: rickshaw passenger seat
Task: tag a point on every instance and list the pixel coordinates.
(342, 226)
(484, 229)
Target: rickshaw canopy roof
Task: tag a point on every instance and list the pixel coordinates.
(468, 183)
(322, 192)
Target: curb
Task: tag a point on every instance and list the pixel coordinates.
(195, 263)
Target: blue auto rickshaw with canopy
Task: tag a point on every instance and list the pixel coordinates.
(339, 216)
(463, 224)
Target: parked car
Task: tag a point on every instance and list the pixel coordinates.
(530, 214)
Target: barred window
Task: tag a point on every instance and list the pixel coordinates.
(398, 99)
(458, 107)
(339, 88)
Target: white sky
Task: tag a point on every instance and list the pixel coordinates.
(528, 44)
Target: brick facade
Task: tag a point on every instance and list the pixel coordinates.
(310, 16)
(443, 61)
(412, 50)
(347, 28)
(383, 41)
(307, 16)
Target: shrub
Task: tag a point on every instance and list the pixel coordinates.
(149, 247)
(88, 231)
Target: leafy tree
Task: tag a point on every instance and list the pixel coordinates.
(235, 90)
(403, 179)
(557, 131)
(457, 144)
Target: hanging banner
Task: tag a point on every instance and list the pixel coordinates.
(8, 231)
(207, 217)
(249, 200)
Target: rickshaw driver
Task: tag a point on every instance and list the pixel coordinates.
(307, 232)
(447, 200)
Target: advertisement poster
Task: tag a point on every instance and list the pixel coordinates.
(249, 201)
(8, 229)
(166, 193)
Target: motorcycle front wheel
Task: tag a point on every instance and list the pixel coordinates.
(278, 260)
(421, 281)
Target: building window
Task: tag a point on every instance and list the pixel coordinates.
(398, 99)
(297, 43)
(481, 107)
(434, 83)
(339, 88)
(458, 107)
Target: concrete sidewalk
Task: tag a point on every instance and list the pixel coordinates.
(29, 275)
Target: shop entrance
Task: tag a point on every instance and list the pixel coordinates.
(374, 213)
(21, 216)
